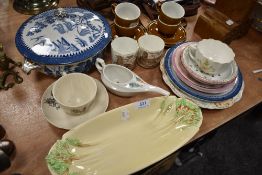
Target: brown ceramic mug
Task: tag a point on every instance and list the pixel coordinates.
(126, 14)
(166, 29)
(171, 12)
(125, 31)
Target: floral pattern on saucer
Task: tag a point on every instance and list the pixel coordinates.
(180, 35)
(57, 117)
(223, 78)
(52, 102)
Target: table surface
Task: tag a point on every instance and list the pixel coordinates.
(21, 115)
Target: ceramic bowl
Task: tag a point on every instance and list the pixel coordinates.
(62, 40)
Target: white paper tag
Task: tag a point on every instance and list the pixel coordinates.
(229, 22)
(143, 104)
(125, 114)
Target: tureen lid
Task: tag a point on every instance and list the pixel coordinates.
(63, 36)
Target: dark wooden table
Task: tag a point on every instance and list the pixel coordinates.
(20, 110)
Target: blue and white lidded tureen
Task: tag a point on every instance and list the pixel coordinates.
(62, 40)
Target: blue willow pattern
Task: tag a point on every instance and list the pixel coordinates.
(86, 28)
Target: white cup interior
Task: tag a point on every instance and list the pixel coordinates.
(117, 74)
(124, 46)
(74, 90)
(173, 9)
(127, 11)
(151, 43)
(216, 51)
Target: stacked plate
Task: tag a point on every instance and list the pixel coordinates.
(181, 73)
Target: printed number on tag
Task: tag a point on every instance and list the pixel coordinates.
(143, 104)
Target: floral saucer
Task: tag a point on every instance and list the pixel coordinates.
(184, 76)
(140, 31)
(224, 78)
(57, 117)
(180, 35)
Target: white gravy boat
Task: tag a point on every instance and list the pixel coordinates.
(123, 82)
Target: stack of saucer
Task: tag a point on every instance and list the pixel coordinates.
(199, 77)
(168, 25)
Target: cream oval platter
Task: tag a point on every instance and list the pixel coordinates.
(126, 139)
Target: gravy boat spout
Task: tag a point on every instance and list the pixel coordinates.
(157, 90)
(123, 82)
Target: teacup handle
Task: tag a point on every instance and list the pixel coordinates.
(100, 64)
(158, 6)
(192, 51)
(113, 6)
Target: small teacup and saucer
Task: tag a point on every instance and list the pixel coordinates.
(73, 99)
(210, 61)
(126, 22)
(168, 25)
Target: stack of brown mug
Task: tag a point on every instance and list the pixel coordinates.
(126, 18)
(169, 18)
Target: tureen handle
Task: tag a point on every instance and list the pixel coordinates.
(100, 64)
(28, 66)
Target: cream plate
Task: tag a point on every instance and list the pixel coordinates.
(57, 117)
(225, 77)
(126, 139)
(201, 103)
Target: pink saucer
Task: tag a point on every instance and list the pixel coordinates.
(184, 76)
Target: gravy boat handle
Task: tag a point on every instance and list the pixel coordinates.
(100, 64)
